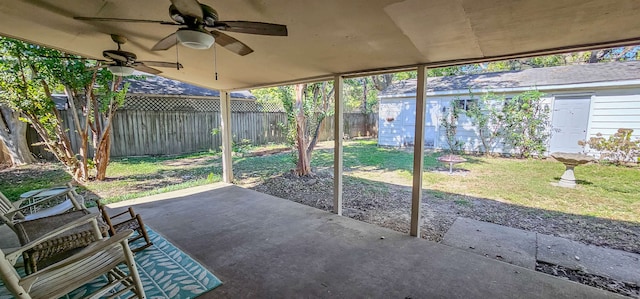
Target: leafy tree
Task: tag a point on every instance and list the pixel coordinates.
(360, 95)
(31, 73)
(595, 56)
(307, 106)
(487, 117)
(383, 81)
(526, 123)
(283, 97)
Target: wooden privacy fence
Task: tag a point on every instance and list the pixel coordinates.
(187, 125)
(178, 132)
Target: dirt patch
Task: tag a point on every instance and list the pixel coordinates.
(190, 162)
(264, 152)
(389, 205)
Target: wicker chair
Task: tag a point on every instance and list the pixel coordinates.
(55, 249)
(123, 221)
(100, 258)
(39, 212)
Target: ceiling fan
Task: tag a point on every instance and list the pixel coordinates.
(194, 18)
(123, 63)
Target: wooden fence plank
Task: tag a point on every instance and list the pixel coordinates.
(141, 132)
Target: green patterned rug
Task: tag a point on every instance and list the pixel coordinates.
(165, 271)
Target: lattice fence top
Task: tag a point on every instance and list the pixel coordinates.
(155, 103)
(270, 107)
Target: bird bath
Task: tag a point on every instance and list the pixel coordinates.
(451, 159)
(570, 161)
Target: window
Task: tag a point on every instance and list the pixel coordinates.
(465, 104)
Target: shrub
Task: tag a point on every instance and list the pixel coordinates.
(487, 118)
(618, 148)
(450, 123)
(526, 121)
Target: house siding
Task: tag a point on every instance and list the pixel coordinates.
(610, 110)
(614, 109)
(397, 119)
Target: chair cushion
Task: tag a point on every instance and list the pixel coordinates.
(58, 209)
(61, 246)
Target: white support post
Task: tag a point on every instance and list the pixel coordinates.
(338, 131)
(225, 113)
(418, 153)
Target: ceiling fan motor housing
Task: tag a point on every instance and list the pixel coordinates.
(209, 16)
(200, 29)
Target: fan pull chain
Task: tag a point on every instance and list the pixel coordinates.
(215, 61)
(177, 57)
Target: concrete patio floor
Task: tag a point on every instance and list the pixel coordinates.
(262, 246)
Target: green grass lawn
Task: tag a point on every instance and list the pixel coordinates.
(14, 182)
(604, 191)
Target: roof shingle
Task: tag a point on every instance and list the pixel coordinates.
(549, 76)
(163, 86)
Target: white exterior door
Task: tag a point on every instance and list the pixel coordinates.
(569, 123)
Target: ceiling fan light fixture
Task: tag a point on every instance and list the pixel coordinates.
(195, 39)
(120, 70)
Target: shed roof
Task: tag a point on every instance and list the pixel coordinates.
(535, 77)
(162, 86)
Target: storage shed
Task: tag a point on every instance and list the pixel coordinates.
(584, 100)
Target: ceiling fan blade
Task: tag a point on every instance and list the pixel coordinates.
(65, 57)
(231, 43)
(174, 65)
(143, 68)
(188, 7)
(124, 20)
(252, 27)
(166, 43)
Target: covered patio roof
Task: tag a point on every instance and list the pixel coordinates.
(333, 37)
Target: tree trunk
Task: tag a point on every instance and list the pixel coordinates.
(82, 132)
(304, 163)
(101, 156)
(365, 110)
(13, 133)
(61, 145)
(314, 138)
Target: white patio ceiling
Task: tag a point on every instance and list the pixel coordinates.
(332, 37)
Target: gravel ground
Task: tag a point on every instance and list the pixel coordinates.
(388, 205)
(601, 282)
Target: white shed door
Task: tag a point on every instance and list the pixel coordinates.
(570, 120)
